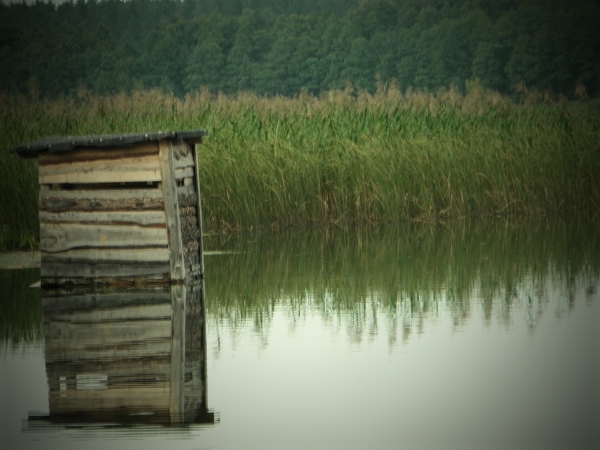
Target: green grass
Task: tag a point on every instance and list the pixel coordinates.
(345, 156)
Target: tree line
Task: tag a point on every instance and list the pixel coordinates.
(287, 46)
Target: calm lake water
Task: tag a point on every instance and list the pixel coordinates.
(471, 335)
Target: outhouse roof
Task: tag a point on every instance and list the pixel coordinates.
(57, 144)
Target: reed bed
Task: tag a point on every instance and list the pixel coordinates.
(390, 156)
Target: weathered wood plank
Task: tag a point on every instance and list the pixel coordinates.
(143, 218)
(172, 209)
(99, 270)
(113, 255)
(177, 350)
(157, 368)
(160, 311)
(182, 156)
(130, 164)
(139, 168)
(185, 172)
(118, 350)
(60, 303)
(97, 335)
(61, 237)
(186, 190)
(120, 281)
(82, 154)
(102, 176)
(102, 200)
(199, 210)
(146, 398)
(110, 194)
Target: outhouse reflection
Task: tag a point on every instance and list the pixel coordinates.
(125, 357)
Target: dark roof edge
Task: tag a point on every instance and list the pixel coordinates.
(68, 143)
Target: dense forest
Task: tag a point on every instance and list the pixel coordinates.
(288, 46)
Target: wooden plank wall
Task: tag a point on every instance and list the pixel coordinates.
(114, 215)
(126, 164)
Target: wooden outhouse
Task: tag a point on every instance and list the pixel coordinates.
(121, 208)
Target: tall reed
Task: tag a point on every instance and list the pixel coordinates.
(388, 156)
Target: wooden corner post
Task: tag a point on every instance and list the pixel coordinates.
(199, 209)
(169, 186)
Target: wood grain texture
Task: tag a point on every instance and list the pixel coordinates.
(132, 169)
(155, 396)
(103, 270)
(139, 349)
(186, 189)
(182, 155)
(116, 281)
(108, 255)
(142, 218)
(178, 302)
(125, 348)
(59, 303)
(161, 311)
(183, 173)
(199, 212)
(97, 335)
(130, 398)
(105, 153)
(156, 367)
(169, 187)
(61, 237)
(102, 200)
(127, 163)
(102, 177)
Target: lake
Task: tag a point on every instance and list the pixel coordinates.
(473, 334)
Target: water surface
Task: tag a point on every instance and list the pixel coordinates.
(467, 335)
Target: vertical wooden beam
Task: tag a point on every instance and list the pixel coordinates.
(43, 187)
(204, 358)
(176, 406)
(199, 210)
(169, 186)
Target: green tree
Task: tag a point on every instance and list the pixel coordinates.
(166, 55)
(205, 67)
(252, 42)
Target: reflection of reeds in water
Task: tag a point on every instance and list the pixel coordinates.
(384, 279)
(20, 308)
(374, 280)
(387, 156)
